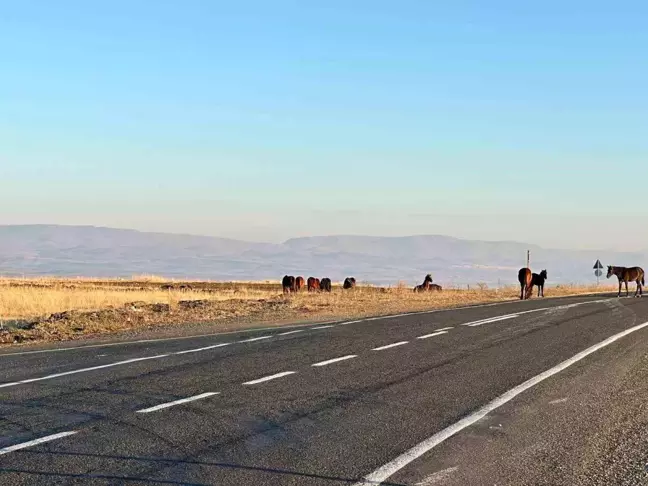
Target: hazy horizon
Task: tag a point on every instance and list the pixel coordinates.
(262, 122)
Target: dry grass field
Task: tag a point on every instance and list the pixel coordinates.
(61, 309)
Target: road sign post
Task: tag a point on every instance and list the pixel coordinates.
(597, 271)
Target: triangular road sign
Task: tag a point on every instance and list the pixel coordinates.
(598, 265)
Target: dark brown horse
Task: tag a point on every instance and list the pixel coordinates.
(525, 278)
(288, 284)
(325, 284)
(427, 285)
(539, 281)
(313, 284)
(626, 275)
(299, 283)
(349, 283)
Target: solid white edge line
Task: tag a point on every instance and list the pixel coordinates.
(82, 370)
(186, 351)
(290, 332)
(335, 360)
(384, 472)
(271, 377)
(177, 402)
(323, 327)
(438, 333)
(251, 340)
(35, 442)
(387, 346)
(306, 326)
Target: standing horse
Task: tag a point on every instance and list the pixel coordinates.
(288, 284)
(313, 284)
(325, 284)
(539, 280)
(349, 283)
(525, 278)
(626, 275)
(299, 283)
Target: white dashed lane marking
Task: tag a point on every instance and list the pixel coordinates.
(438, 333)
(335, 360)
(388, 346)
(271, 377)
(178, 402)
(36, 442)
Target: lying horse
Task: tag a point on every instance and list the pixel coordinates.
(626, 275)
(539, 281)
(525, 278)
(427, 285)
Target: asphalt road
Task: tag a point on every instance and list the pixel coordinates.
(396, 400)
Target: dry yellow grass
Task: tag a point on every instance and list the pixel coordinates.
(94, 306)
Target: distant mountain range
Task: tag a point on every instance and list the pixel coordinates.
(34, 250)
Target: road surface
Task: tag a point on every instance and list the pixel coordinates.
(547, 391)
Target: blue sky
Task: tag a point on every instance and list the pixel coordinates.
(266, 120)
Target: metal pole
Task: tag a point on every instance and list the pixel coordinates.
(528, 258)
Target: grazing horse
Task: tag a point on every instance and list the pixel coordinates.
(288, 284)
(627, 275)
(539, 281)
(299, 283)
(349, 283)
(313, 284)
(325, 284)
(427, 285)
(525, 278)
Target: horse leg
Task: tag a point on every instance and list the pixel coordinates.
(620, 283)
(627, 291)
(521, 291)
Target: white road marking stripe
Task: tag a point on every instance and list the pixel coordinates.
(203, 349)
(392, 316)
(438, 333)
(393, 345)
(335, 360)
(271, 377)
(322, 327)
(34, 442)
(488, 321)
(445, 328)
(82, 370)
(349, 322)
(177, 402)
(384, 472)
(290, 332)
(260, 338)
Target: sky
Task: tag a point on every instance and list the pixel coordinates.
(500, 120)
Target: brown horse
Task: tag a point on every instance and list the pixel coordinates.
(539, 281)
(626, 275)
(349, 283)
(313, 284)
(299, 283)
(325, 284)
(288, 284)
(427, 285)
(525, 278)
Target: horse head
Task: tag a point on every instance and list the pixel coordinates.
(543, 275)
(428, 278)
(610, 271)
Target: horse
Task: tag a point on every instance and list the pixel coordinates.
(288, 284)
(299, 283)
(427, 285)
(435, 288)
(539, 281)
(626, 275)
(349, 283)
(325, 284)
(525, 278)
(313, 284)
